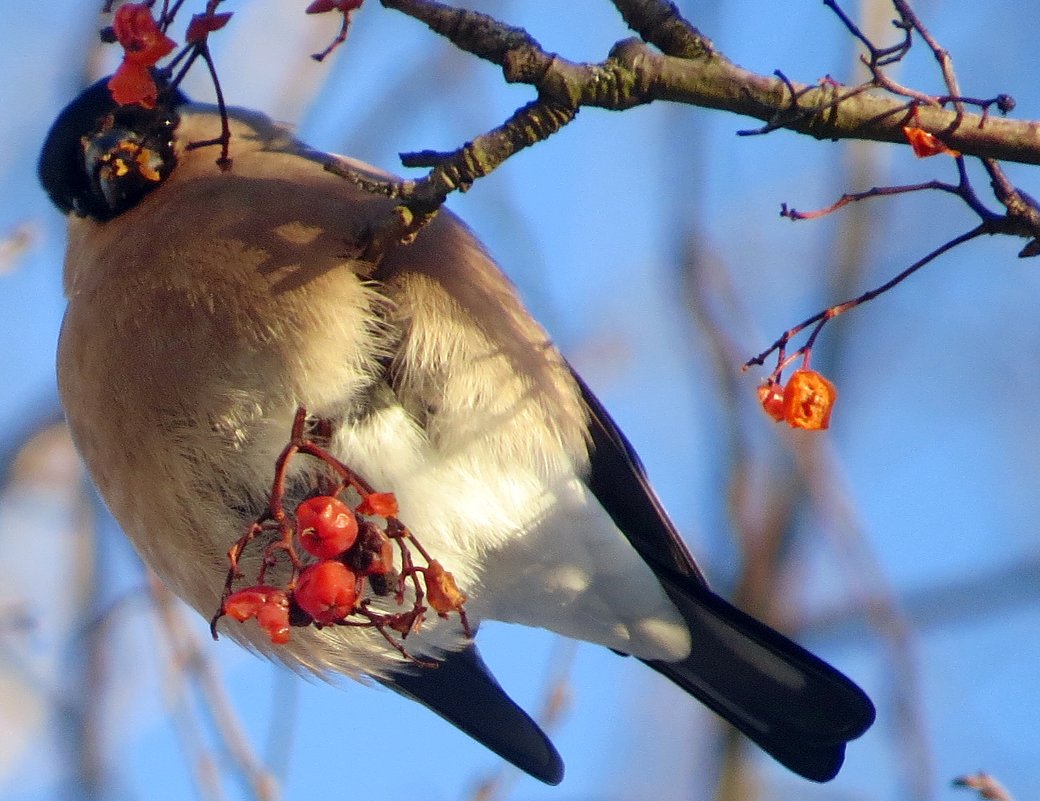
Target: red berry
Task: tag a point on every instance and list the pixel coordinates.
(202, 25)
(143, 41)
(321, 6)
(246, 603)
(273, 618)
(326, 525)
(327, 592)
(269, 605)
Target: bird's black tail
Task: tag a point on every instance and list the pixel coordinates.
(794, 705)
(462, 691)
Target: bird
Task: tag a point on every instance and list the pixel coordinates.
(210, 300)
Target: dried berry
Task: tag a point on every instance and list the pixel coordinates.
(378, 504)
(808, 400)
(373, 554)
(442, 592)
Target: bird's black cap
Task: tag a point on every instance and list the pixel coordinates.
(83, 162)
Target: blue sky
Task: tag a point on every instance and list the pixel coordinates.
(931, 462)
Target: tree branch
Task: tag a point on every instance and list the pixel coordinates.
(692, 71)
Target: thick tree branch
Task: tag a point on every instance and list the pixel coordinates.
(661, 24)
(692, 71)
(673, 61)
(824, 111)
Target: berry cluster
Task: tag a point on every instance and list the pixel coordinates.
(326, 591)
(347, 547)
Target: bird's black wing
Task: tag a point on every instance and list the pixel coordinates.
(463, 692)
(794, 705)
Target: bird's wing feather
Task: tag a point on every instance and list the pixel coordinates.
(636, 510)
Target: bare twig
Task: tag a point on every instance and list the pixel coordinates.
(420, 199)
(1021, 216)
(820, 319)
(691, 70)
(15, 243)
(661, 24)
(985, 785)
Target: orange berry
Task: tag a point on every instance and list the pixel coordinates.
(925, 144)
(442, 592)
(378, 504)
(808, 400)
(771, 396)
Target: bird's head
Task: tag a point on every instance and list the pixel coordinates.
(101, 158)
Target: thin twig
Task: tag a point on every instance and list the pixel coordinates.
(820, 319)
